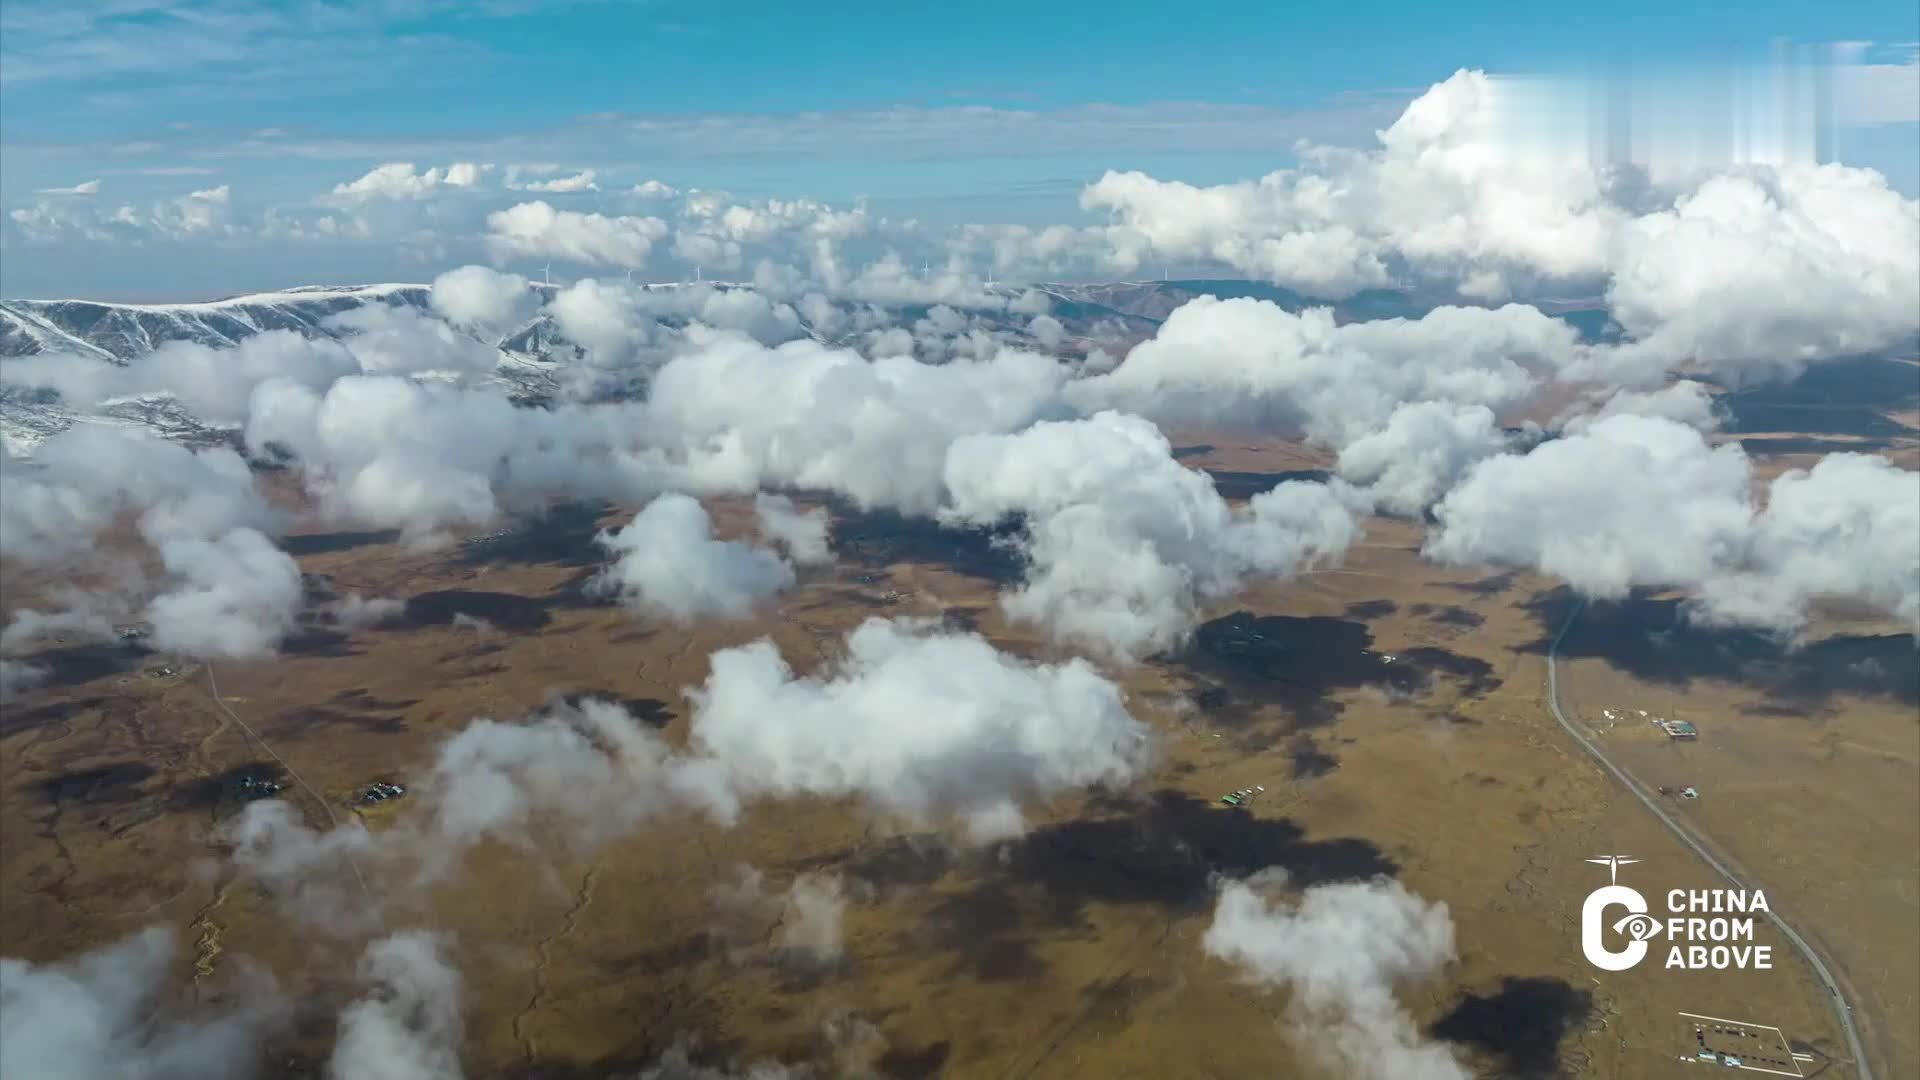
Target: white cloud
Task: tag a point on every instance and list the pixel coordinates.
(1123, 542)
(479, 296)
(105, 1013)
(408, 1026)
(1340, 950)
(668, 563)
(1423, 449)
(233, 597)
(803, 535)
(399, 180)
(989, 731)
(82, 478)
(653, 189)
(1251, 363)
(18, 676)
(1759, 263)
(1645, 501)
(560, 185)
(89, 187)
(537, 230)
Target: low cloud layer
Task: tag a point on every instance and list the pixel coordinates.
(106, 1013)
(1340, 951)
(667, 562)
(1635, 501)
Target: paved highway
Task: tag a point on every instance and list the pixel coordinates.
(1841, 1010)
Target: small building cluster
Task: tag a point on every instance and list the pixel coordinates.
(258, 787)
(1243, 796)
(1676, 729)
(380, 791)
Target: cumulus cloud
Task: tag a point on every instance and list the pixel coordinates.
(100, 1014)
(807, 417)
(805, 919)
(802, 535)
(590, 770)
(399, 180)
(84, 477)
(1340, 950)
(1685, 401)
(810, 920)
(481, 296)
(1749, 268)
(1251, 363)
(988, 732)
(86, 187)
(537, 230)
(1422, 450)
(394, 453)
(1122, 541)
(408, 1026)
(1646, 501)
(1846, 528)
(563, 185)
(233, 597)
(312, 875)
(18, 676)
(356, 611)
(667, 562)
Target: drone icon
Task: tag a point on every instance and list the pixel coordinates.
(1613, 863)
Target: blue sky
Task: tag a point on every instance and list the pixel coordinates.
(989, 111)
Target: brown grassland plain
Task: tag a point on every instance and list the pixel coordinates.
(1071, 952)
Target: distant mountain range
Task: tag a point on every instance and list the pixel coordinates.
(1117, 313)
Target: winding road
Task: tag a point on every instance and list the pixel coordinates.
(1842, 1011)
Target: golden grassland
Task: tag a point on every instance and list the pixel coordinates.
(1074, 952)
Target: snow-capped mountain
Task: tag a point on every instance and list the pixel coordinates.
(534, 358)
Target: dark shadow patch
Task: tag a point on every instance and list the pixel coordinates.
(15, 719)
(226, 790)
(1169, 849)
(926, 1063)
(1834, 397)
(74, 665)
(652, 712)
(120, 782)
(1650, 639)
(898, 861)
(881, 538)
(1308, 760)
(1300, 662)
(1763, 446)
(981, 927)
(326, 543)
(1450, 615)
(961, 620)
(505, 611)
(563, 535)
(1522, 1024)
(1196, 450)
(310, 720)
(1474, 675)
(1371, 609)
(360, 699)
(1245, 485)
(1486, 586)
(319, 641)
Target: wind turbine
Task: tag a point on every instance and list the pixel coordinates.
(696, 273)
(546, 273)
